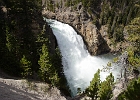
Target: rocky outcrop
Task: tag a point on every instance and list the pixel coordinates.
(114, 47)
(12, 88)
(80, 20)
(95, 40)
(128, 73)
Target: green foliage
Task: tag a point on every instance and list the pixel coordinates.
(57, 64)
(41, 39)
(118, 34)
(47, 70)
(51, 69)
(12, 44)
(78, 90)
(92, 90)
(94, 20)
(9, 39)
(50, 5)
(24, 44)
(132, 92)
(118, 14)
(115, 13)
(133, 59)
(100, 90)
(68, 3)
(133, 30)
(26, 67)
(44, 63)
(105, 89)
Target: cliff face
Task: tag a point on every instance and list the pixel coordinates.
(82, 22)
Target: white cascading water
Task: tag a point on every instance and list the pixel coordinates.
(79, 66)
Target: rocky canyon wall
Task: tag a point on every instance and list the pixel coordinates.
(82, 22)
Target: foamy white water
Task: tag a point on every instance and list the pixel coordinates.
(79, 66)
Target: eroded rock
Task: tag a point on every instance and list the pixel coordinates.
(80, 20)
(96, 43)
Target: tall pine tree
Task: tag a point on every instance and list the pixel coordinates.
(92, 90)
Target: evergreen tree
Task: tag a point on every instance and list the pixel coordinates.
(132, 92)
(44, 63)
(133, 30)
(92, 90)
(47, 71)
(100, 90)
(26, 67)
(105, 89)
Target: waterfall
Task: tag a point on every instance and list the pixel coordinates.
(79, 66)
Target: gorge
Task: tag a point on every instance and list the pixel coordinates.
(29, 50)
(79, 66)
